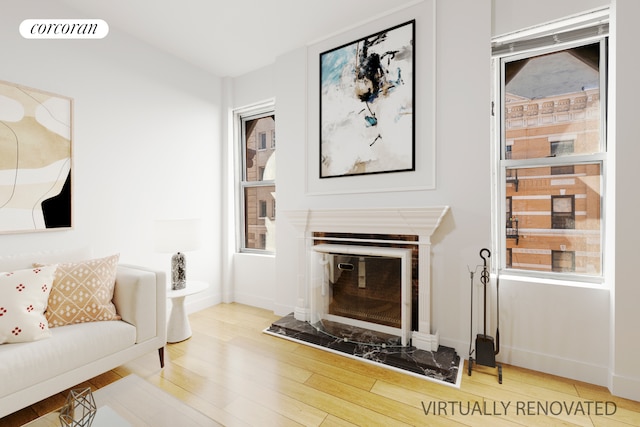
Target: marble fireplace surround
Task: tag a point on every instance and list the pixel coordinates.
(421, 222)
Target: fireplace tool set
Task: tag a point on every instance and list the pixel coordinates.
(486, 347)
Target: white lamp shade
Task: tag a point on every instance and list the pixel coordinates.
(177, 235)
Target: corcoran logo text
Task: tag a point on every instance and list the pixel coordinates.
(64, 29)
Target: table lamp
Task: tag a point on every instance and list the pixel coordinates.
(179, 235)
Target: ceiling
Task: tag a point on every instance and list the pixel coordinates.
(231, 38)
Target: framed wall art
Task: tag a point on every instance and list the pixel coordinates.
(367, 91)
(35, 159)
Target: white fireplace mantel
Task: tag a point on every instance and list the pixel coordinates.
(421, 222)
(415, 221)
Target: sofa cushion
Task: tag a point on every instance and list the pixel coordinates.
(83, 292)
(23, 300)
(25, 364)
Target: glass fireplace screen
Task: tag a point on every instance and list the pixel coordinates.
(366, 288)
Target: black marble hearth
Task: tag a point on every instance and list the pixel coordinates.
(442, 365)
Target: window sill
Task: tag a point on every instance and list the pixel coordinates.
(257, 254)
(598, 284)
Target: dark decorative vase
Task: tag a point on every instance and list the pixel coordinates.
(178, 271)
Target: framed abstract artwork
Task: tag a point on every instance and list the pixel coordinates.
(35, 159)
(367, 90)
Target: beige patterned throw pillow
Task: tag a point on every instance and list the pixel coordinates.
(82, 292)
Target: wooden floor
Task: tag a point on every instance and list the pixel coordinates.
(237, 375)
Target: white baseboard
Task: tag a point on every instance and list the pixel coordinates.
(283, 309)
(196, 303)
(626, 387)
(547, 363)
(254, 301)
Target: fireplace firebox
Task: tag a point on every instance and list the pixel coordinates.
(363, 286)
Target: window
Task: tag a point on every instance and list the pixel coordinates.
(262, 141)
(507, 152)
(561, 148)
(257, 180)
(562, 170)
(563, 261)
(263, 208)
(563, 212)
(550, 138)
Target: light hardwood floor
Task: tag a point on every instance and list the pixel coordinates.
(237, 375)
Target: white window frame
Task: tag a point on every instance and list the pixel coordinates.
(500, 164)
(240, 116)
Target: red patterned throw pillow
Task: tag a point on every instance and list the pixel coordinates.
(23, 300)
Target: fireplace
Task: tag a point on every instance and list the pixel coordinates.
(315, 297)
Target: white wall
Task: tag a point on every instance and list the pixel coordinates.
(556, 329)
(146, 142)
(625, 342)
(462, 113)
(509, 15)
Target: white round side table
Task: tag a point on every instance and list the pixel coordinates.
(178, 327)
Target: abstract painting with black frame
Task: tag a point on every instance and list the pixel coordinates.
(35, 159)
(367, 91)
